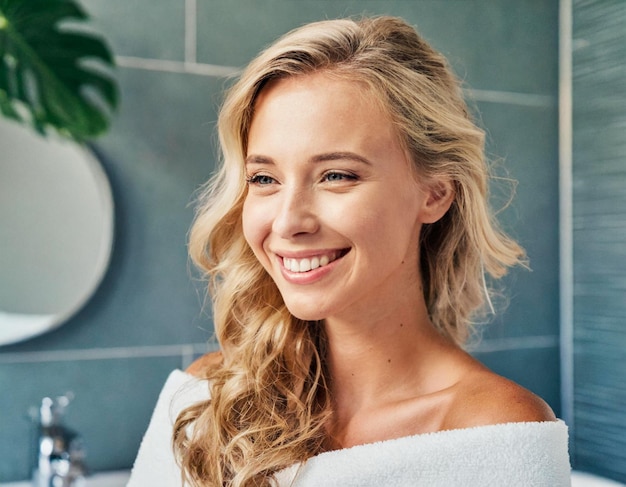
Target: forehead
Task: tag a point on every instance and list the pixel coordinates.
(319, 83)
(322, 105)
(313, 86)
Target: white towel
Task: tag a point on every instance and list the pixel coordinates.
(155, 465)
(503, 455)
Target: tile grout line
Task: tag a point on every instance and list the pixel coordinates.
(511, 97)
(566, 239)
(185, 351)
(187, 356)
(190, 31)
(489, 345)
(183, 67)
(191, 66)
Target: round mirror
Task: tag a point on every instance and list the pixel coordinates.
(56, 230)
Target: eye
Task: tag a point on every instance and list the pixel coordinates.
(334, 176)
(260, 179)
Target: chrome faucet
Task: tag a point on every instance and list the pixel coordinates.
(60, 451)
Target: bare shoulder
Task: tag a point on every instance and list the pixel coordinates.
(204, 363)
(485, 398)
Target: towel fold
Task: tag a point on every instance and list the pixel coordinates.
(502, 455)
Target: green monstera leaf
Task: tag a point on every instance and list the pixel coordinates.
(52, 73)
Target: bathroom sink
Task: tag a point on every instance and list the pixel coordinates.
(581, 479)
(102, 479)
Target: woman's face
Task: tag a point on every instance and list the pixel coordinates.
(333, 211)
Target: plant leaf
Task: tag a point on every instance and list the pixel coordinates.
(53, 75)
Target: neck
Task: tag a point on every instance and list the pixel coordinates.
(383, 357)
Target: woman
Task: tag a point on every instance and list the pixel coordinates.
(345, 238)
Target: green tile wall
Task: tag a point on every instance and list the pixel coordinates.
(146, 318)
(503, 45)
(599, 237)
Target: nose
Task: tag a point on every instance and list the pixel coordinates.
(295, 214)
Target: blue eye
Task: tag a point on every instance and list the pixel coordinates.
(338, 176)
(260, 179)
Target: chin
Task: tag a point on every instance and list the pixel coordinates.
(305, 313)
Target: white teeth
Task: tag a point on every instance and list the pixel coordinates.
(305, 265)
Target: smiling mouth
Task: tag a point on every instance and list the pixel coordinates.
(312, 263)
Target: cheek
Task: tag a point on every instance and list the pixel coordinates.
(248, 224)
(393, 226)
(254, 223)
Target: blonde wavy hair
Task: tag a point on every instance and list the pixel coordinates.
(269, 399)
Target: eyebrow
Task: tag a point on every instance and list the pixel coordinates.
(329, 156)
(334, 156)
(254, 159)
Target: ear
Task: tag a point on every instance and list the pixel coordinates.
(438, 197)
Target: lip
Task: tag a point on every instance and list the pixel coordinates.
(307, 254)
(313, 275)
